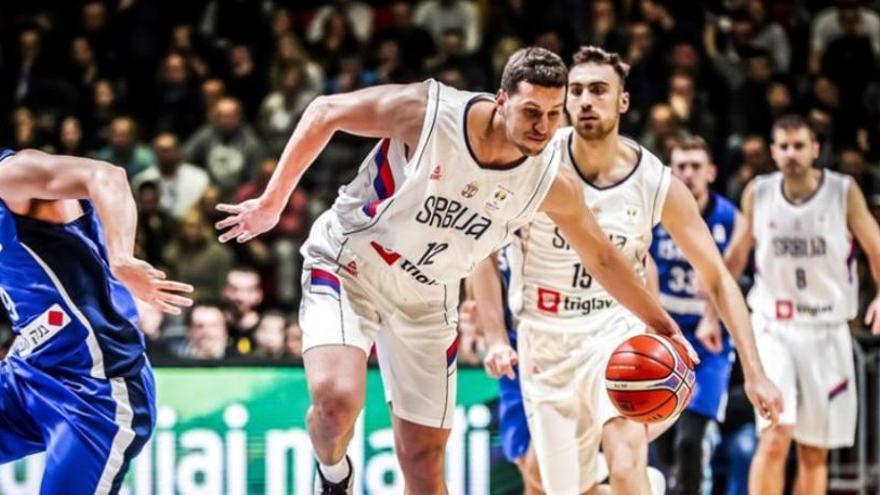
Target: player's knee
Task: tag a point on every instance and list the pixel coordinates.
(775, 442)
(336, 403)
(812, 458)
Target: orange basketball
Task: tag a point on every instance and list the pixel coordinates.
(649, 378)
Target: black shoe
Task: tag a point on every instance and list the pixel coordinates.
(344, 487)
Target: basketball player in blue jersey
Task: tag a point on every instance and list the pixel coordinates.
(691, 163)
(76, 383)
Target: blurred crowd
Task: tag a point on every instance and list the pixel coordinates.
(196, 101)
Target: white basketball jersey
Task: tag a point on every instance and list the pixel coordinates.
(434, 216)
(558, 291)
(804, 254)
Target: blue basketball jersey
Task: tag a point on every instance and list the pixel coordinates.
(71, 314)
(677, 277)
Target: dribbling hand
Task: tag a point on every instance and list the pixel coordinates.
(246, 220)
(149, 285)
(672, 331)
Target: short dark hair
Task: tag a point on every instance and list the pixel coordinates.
(793, 122)
(534, 65)
(595, 55)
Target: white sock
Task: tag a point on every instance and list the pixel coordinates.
(335, 473)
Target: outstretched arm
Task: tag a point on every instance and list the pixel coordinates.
(681, 218)
(34, 175)
(864, 227)
(393, 110)
(565, 205)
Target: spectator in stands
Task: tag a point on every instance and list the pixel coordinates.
(212, 91)
(194, 256)
(70, 137)
(289, 51)
(180, 184)
(452, 55)
(769, 35)
(242, 295)
(207, 337)
(822, 122)
(24, 127)
(105, 108)
(293, 339)
(245, 81)
(662, 128)
(269, 337)
(337, 42)
(441, 16)
(352, 75)
(601, 27)
(752, 114)
(851, 63)
(416, 44)
(95, 29)
(150, 323)
(282, 108)
(641, 83)
(390, 68)
(851, 161)
(226, 147)
(690, 107)
(359, 16)
(29, 67)
(84, 71)
(756, 160)
(845, 18)
(177, 105)
(155, 227)
(124, 149)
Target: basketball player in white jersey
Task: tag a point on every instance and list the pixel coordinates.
(454, 174)
(801, 221)
(569, 324)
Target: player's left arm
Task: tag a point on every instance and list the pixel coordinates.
(681, 218)
(862, 224)
(33, 175)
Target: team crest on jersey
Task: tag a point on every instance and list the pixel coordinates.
(632, 212)
(499, 198)
(436, 175)
(41, 329)
(784, 310)
(469, 190)
(549, 300)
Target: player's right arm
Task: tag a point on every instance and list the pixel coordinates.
(392, 110)
(736, 257)
(33, 175)
(565, 205)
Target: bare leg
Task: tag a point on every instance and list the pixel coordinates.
(767, 474)
(420, 450)
(336, 375)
